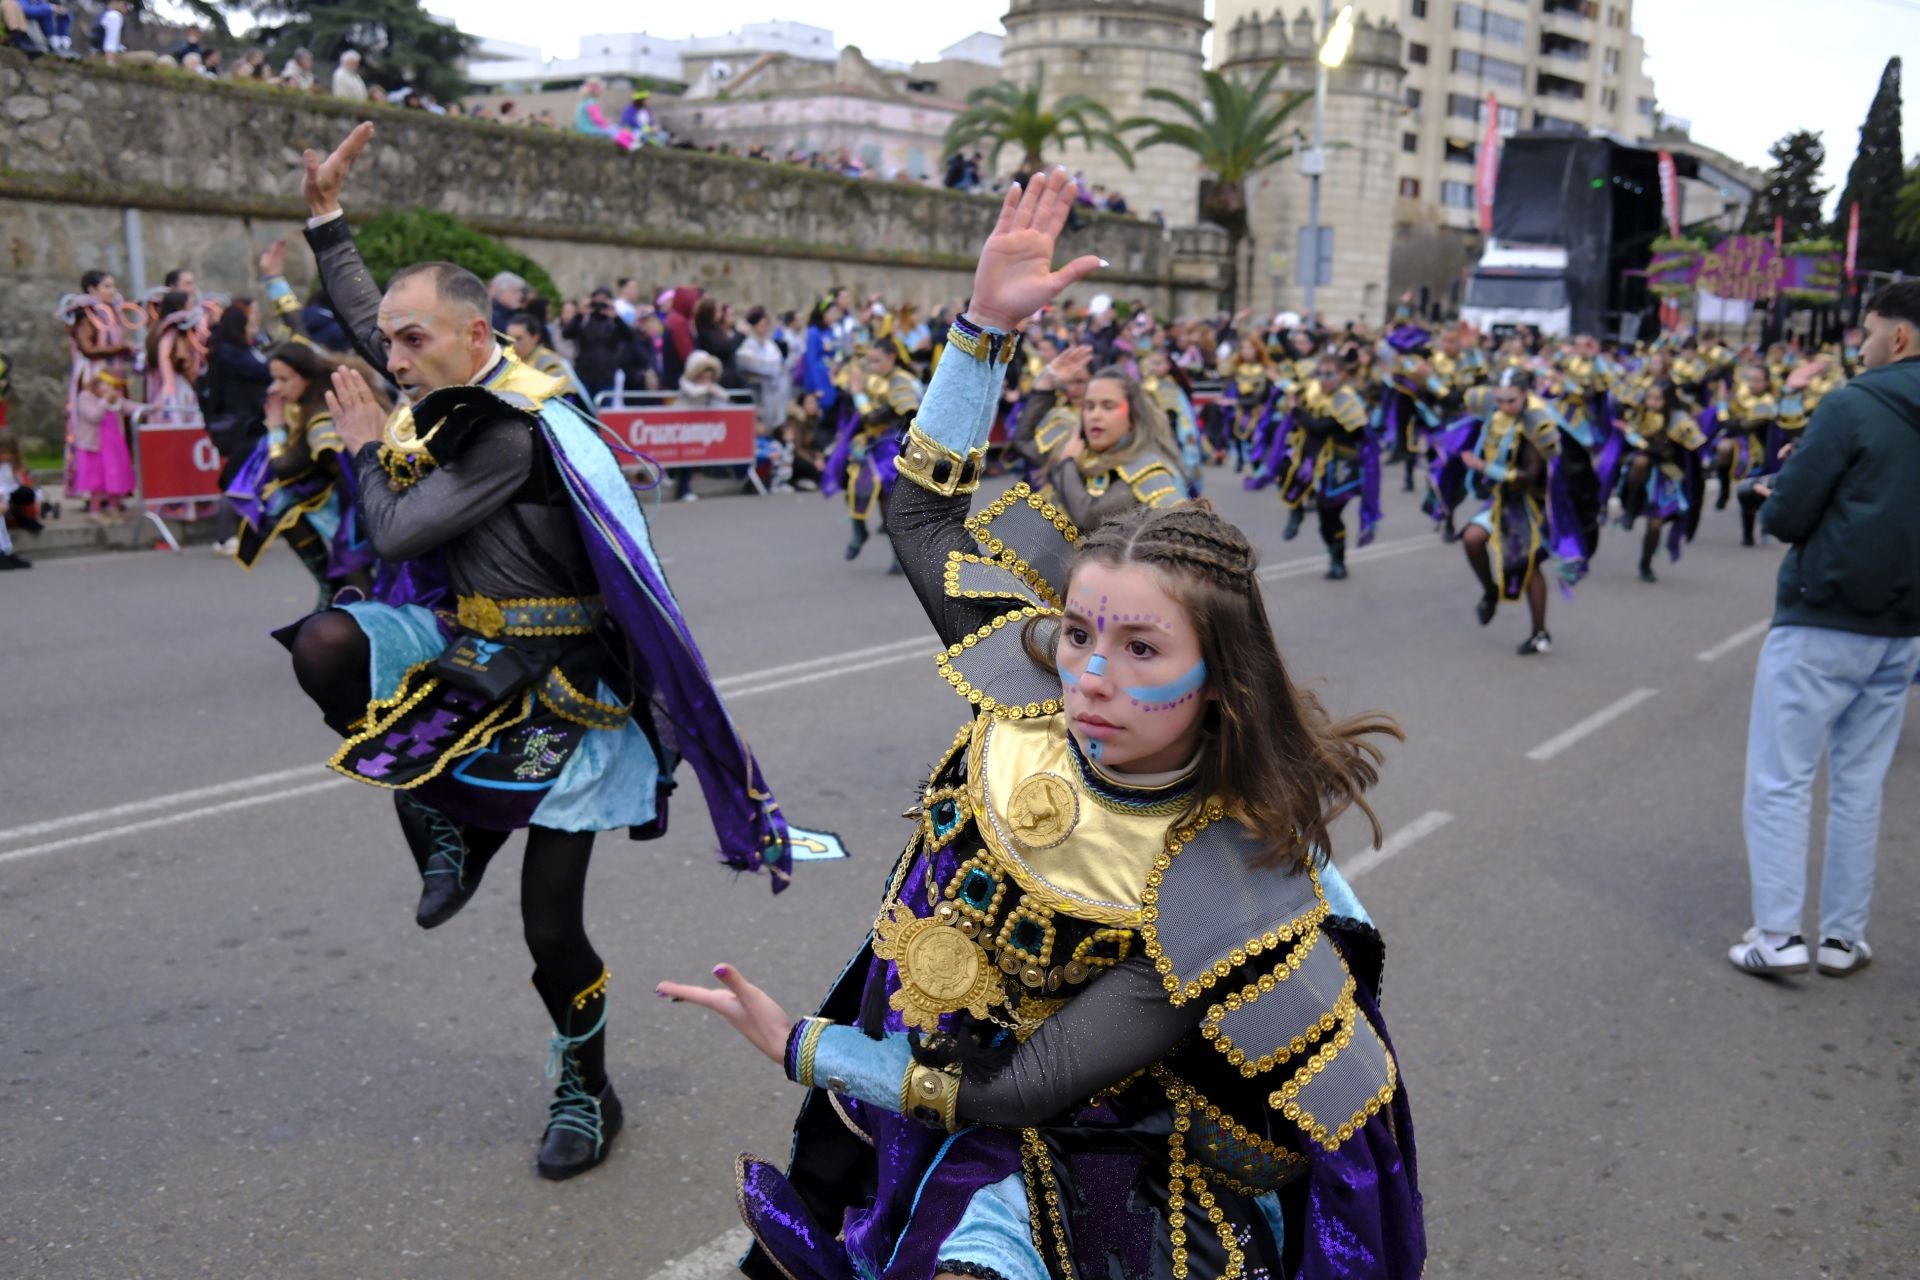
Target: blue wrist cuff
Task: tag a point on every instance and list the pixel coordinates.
(957, 411)
(847, 1062)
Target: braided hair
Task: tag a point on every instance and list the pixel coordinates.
(1272, 755)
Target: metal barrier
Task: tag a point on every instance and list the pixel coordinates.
(676, 435)
(175, 463)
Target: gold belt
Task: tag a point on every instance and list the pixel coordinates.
(554, 616)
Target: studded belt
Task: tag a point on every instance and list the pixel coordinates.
(555, 616)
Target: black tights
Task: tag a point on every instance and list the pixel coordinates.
(1650, 543)
(1333, 523)
(1475, 540)
(334, 663)
(553, 888)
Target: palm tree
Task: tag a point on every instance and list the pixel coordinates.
(1238, 131)
(1906, 209)
(1007, 113)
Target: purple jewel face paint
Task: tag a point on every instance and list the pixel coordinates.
(1131, 672)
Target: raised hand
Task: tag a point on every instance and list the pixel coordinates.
(747, 1009)
(1015, 277)
(1069, 363)
(274, 261)
(325, 177)
(356, 414)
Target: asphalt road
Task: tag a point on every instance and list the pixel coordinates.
(226, 1051)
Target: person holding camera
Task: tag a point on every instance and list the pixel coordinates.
(1837, 666)
(606, 356)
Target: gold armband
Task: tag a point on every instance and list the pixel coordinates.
(988, 348)
(936, 468)
(809, 1046)
(931, 1096)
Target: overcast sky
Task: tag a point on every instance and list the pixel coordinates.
(1743, 72)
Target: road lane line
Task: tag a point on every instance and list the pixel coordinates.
(1378, 551)
(172, 819)
(160, 802)
(927, 642)
(1592, 724)
(713, 1260)
(1397, 843)
(924, 651)
(1734, 641)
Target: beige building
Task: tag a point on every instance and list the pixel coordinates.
(1550, 64)
(1363, 116)
(1113, 51)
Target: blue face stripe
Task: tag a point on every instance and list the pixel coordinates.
(1174, 690)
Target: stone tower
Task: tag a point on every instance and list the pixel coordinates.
(1113, 51)
(1359, 187)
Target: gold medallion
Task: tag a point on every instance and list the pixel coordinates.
(941, 970)
(1043, 811)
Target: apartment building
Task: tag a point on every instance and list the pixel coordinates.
(1550, 64)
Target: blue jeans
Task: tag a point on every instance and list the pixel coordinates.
(1842, 695)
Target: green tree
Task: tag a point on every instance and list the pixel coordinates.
(1239, 130)
(1793, 192)
(1008, 114)
(1879, 169)
(399, 239)
(399, 41)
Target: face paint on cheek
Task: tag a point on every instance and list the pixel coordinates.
(1165, 697)
(1093, 750)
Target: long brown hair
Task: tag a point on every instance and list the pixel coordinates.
(316, 367)
(1271, 753)
(1149, 430)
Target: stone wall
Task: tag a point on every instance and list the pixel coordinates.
(100, 166)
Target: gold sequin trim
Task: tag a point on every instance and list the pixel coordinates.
(980, 525)
(1035, 1151)
(1178, 993)
(1188, 1100)
(1008, 561)
(1342, 1010)
(979, 697)
(573, 705)
(599, 988)
(403, 701)
(1285, 1099)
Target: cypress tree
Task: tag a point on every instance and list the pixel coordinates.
(1878, 172)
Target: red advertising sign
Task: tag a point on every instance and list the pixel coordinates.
(178, 463)
(1670, 192)
(1853, 237)
(675, 437)
(1489, 166)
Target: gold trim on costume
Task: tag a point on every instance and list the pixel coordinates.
(404, 700)
(979, 697)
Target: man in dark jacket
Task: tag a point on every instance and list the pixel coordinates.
(604, 349)
(1836, 668)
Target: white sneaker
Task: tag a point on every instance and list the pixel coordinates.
(1839, 958)
(1756, 955)
(226, 548)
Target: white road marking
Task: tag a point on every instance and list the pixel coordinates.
(172, 819)
(713, 1260)
(1303, 566)
(1397, 843)
(160, 802)
(1734, 641)
(1598, 720)
(925, 644)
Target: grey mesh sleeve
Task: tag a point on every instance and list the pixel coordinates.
(1121, 1023)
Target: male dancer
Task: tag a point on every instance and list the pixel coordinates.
(1328, 460)
(568, 642)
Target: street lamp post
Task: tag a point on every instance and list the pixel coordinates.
(1333, 51)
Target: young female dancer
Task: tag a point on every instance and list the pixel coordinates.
(1119, 1015)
